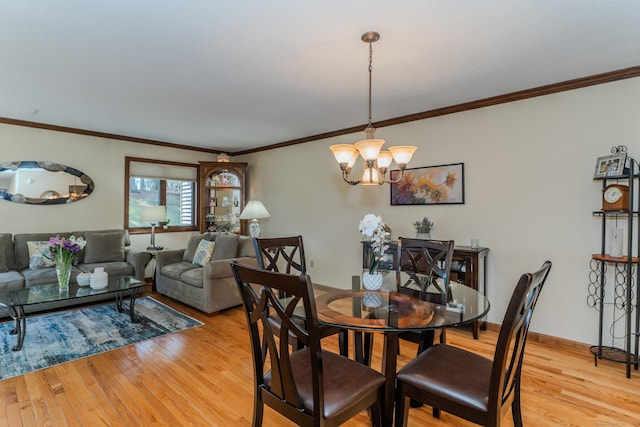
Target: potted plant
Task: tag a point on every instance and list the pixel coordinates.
(374, 229)
(423, 228)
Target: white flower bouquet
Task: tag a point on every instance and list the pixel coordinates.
(374, 229)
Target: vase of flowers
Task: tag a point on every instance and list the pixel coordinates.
(374, 229)
(64, 253)
(423, 228)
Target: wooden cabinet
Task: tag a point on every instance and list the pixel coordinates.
(469, 267)
(222, 196)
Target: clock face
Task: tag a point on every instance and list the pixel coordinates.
(612, 194)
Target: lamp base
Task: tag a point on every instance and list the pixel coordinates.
(254, 228)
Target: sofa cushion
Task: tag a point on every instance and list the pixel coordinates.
(203, 252)
(11, 280)
(174, 271)
(192, 245)
(226, 246)
(6, 253)
(193, 277)
(245, 247)
(37, 255)
(114, 268)
(104, 246)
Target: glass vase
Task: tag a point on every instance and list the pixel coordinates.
(63, 273)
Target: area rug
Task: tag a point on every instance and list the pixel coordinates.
(69, 335)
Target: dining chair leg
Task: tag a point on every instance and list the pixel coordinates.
(343, 342)
(376, 413)
(258, 410)
(402, 407)
(516, 410)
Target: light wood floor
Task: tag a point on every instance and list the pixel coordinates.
(203, 377)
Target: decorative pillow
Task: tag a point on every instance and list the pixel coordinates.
(203, 252)
(37, 259)
(104, 246)
(192, 245)
(226, 246)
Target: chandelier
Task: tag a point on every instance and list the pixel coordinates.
(376, 162)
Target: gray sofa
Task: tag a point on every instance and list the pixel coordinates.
(104, 248)
(207, 285)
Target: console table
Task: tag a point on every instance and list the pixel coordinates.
(469, 267)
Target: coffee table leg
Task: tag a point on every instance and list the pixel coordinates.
(132, 303)
(19, 325)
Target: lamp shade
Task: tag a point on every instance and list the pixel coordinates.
(254, 210)
(154, 213)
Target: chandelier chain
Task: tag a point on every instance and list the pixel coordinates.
(370, 73)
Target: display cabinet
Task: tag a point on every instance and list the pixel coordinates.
(614, 275)
(468, 266)
(222, 196)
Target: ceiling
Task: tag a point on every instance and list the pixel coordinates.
(244, 74)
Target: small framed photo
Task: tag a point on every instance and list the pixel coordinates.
(612, 165)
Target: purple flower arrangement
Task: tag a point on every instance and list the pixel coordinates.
(64, 251)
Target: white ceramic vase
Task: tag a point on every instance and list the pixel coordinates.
(425, 236)
(99, 278)
(372, 282)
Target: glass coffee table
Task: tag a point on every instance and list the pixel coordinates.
(16, 300)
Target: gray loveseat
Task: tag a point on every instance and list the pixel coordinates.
(105, 248)
(207, 285)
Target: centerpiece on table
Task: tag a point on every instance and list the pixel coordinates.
(423, 228)
(374, 229)
(64, 253)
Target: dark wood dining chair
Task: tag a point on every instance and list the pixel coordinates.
(311, 387)
(286, 255)
(427, 267)
(468, 385)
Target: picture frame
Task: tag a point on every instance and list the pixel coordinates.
(429, 185)
(611, 165)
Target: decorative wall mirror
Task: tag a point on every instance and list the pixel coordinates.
(42, 183)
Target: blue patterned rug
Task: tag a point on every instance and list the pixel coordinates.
(68, 335)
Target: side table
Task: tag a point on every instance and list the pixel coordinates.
(153, 253)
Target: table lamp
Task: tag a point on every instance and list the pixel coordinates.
(154, 215)
(254, 211)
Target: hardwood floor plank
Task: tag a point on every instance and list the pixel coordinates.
(203, 377)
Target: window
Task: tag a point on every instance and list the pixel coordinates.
(159, 183)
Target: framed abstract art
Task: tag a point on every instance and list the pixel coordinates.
(431, 185)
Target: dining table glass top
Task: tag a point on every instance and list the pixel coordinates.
(389, 310)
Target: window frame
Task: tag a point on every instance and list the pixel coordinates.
(163, 187)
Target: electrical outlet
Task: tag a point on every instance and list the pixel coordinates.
(312, 264)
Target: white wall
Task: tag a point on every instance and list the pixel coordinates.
(528, 188)
(528, 184)
(103, 160)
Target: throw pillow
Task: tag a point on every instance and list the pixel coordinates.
(104, 246)
(192, 245)
(203, 252)
(226, 246)
(37, 259)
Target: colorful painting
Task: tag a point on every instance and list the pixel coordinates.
(432, 185)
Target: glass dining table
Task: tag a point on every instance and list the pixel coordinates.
(390, 312)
